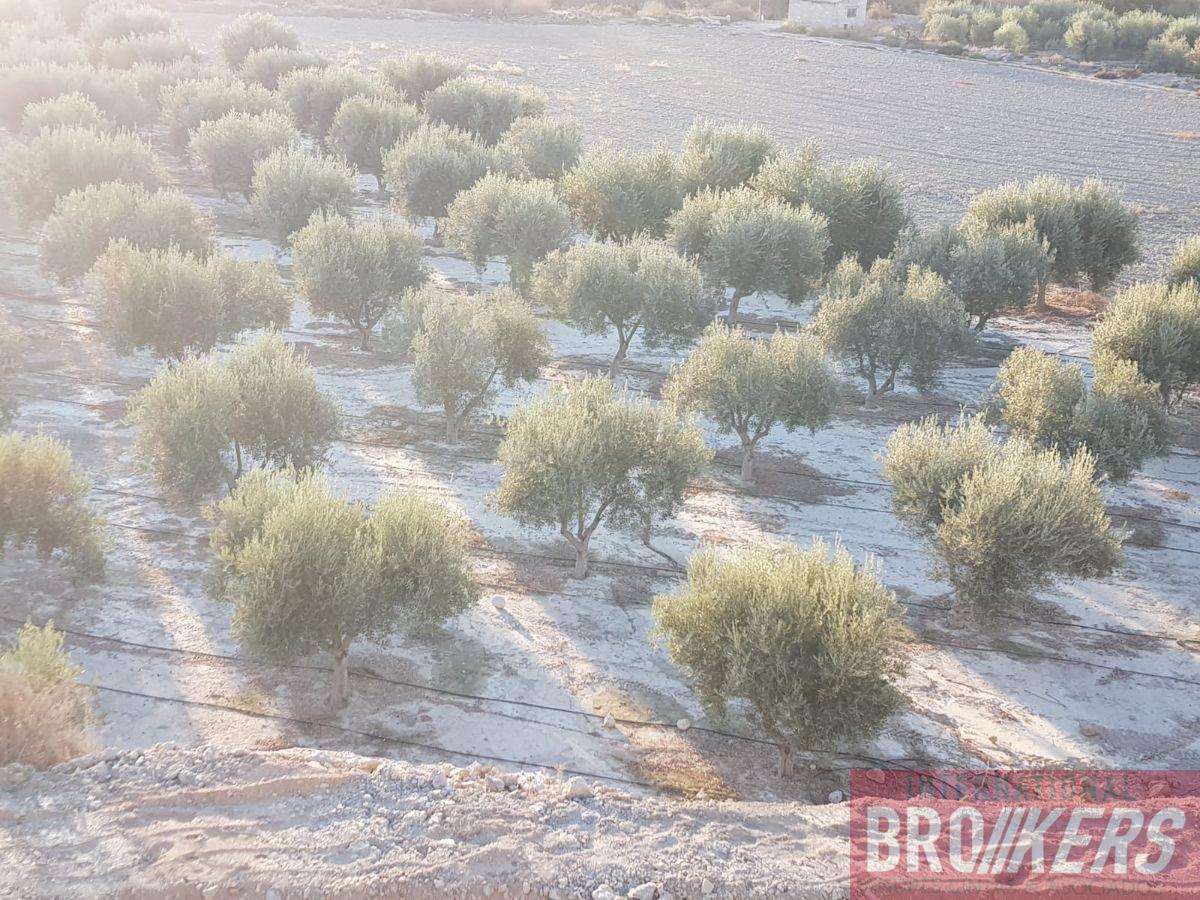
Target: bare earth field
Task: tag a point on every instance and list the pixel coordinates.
(1098, 673)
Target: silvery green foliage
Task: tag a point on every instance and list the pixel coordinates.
(290, 186)
(466, 349)
(722, 156)
(144, 50)
(187, 105)
(483, 107)
(887, 322)
(1185, 262)
(55, 163)
(12, 348)
(988, 267)
(357, 272)
(202, 423)
(229, 147)
(641, 288)
(254, 31)
(116, 94)
(521, 221)
(416, 74)
(809, 640)
(617, 194)
(1036, 395)
(308, 571)
(1087, 230)
(174, 302)
(1156, 326)
(749, 387)
(314, 95)
(861, 201)
(1006, 520)
(43, 504)
(154, 78)
(540, 147)
(267, 66)
(113, 21)
(750, 243)
(431, 167)
(587, 455)
(85, 222)
(365, 128)
(64, 111)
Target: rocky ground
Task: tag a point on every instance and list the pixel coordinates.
(167, 822)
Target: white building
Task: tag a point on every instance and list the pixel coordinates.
(839, 15)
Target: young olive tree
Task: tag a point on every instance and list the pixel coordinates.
(748, 243)
(637, 288)
(540, 147)
(810, 641)
(85, 222)
(357, 271)
(522, 221)
(116, 94)
(35, 175)
(64, 111)
(1005, 520)
(314, 95)
(145, 50)
(862, 202)
(307, 571)
(231, 146)
(290, 186)
(203, 422)
(988, 267)
(416, 74)
(113, 21)
(365, 128)
(429, 169)
(173, 302)
(617, 194)
(1087, 230)
(1036, 395)
(43, 504)
(483, 107)
(721, 156)
(186, 105)
(268, 66)
(749, 387)
(885, 321)
(254, 31)
(1185, 262)
(467, 348)
(1156, 326)
(586, 455)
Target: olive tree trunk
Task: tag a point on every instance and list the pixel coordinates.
(340, 691)
(580, 546)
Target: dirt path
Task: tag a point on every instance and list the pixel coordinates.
(950, 126)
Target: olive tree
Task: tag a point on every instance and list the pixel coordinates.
(12, 349)
(314, 95)
(747, 243)
(1087, 230)
(416, 74)
(483, 107)
(205, 421)
(1036, 395)
(641, 287)
(467, 348)
(1156, 326)
(586, 455)
(357, 271)
(231, 146)
(72, 110)
(1185, 262)
(308, 571)
(365, 128)
(85, 222)
(116, 94)
(267, 66)
(988, 267)
(290, 186)
(617, 194)
(43, 504)
(51, 165)
(749, 387)
(521, 221)
(429, 169)
(1005, 520)
(808, 640)
(113, 21)
(186, 105)
(254, 31)
(862, 202)
(174, 302)
(540, 147)
(144, 50)
(721, 156)
(886, 321)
